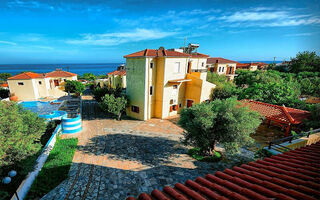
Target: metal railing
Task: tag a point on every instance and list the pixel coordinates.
(290, 138)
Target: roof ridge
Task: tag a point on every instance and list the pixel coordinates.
(284, 109)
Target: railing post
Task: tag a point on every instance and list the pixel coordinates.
(270, 144)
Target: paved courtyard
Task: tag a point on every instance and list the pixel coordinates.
(116, 159)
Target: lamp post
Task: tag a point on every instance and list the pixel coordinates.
(7, 180)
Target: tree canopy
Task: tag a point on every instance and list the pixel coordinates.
(88, 76)
(4, 76)
(220, 121)
(20, 133)
(114, 105)
(305, 61)
(74, 87)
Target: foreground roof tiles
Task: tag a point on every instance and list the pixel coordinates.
(163, 53)
(280, 114)
(288, 176)
(219, 60)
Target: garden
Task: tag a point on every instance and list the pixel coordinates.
(23, 135)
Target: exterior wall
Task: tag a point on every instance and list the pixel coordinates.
(159, 85)
(206, 90)
(168, 92)
(193, 89)
(136, 86)
(253, 67)
(23, 92)
(58, 91)
(42, 88)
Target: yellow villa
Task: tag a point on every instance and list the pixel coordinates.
(161, 82)
(222, 66)
(117, 78)
(33, 86)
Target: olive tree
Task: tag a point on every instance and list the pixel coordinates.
(221, 121)
(114, 105)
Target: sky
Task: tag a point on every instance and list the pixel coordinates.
(96, 31)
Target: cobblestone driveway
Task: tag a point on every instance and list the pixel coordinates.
(116, 159)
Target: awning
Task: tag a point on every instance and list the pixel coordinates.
(179, 80)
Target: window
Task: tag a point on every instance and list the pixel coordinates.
(175, 86)
(151, 90)
(219, 69)
(40, 82)
(151, 65)
(174, 107)
(65, 80)
(171, 101)
(20, 83)
(222, 69)
(176, 68)
(135, 109)
(202, 64)
(56, 82)
(180, 105)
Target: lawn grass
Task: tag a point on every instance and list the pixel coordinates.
(55, 169)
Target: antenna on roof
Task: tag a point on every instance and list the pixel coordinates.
(184, 44)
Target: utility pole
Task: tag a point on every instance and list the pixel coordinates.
(184, 45)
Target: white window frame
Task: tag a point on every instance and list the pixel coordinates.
(175, 69)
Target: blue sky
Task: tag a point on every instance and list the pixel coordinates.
(96, 31)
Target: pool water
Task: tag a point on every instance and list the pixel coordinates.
(40, 107)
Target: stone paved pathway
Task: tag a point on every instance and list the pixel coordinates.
(116, 159)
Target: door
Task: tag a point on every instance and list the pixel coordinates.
(189, 103)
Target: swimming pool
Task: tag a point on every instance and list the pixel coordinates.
(40, 107)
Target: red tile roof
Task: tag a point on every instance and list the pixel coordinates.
(59, 73)
(277, 113)
(220, 60)
(288, 176)
(118, 72)
(31, 75)
(163, 52)
(26, 75)
(4, 85)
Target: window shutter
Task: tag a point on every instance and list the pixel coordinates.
(171, 108)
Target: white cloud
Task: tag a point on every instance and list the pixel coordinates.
(254, 16)
(269, 17)
(299, 34)
(116, 38)
(6, 42)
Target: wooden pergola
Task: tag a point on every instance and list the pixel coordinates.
(283, 116)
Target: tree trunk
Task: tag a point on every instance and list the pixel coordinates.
(119, 116)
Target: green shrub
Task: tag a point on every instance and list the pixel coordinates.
(224, 91)
(196, 154)
(20, 133)
(114, 105)
(99, 93)
(74, 87)
(220, 121)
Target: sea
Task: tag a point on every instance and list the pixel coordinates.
(80, 69)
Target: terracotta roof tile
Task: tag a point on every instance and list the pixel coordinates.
(219, 60)
(118, 72)
(162, 53)
(26, 75)
(277, 113)
(271, 178)
(59, 73)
